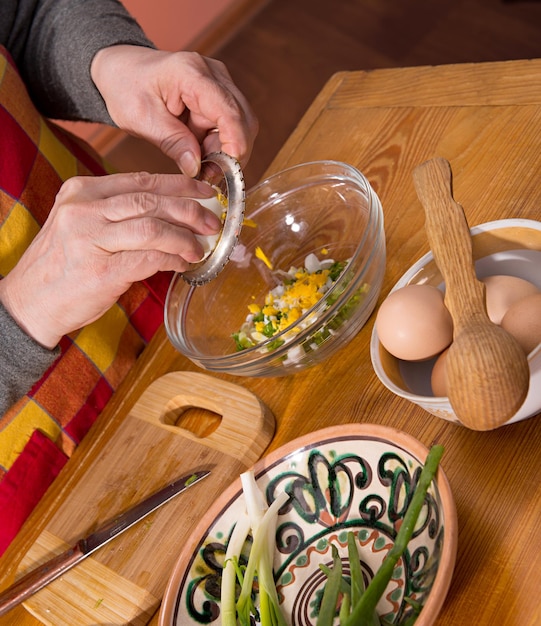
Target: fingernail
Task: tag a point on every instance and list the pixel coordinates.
(204, 188)
(189, 164)
(192, 257)
(212, 221)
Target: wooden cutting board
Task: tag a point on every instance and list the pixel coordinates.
(123, 582)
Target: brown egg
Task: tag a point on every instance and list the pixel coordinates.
(523, 321)
(502, 292)
(413, 323)
(438, 381)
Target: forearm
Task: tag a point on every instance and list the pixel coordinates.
(22, 361)
(63, 37)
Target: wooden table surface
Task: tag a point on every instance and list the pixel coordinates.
(486, 120)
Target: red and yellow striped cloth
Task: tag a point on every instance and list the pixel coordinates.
(40, 432)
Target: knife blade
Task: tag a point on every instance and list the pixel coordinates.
(44, 574)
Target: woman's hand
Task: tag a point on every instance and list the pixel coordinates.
(103, 234)
(182, 102)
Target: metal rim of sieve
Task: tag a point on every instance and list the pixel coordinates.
(207, 269)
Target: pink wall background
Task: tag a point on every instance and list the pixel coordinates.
(174, 24)
(170, 25)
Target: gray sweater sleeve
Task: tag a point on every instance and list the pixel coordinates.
(53, 43)
(22, 361)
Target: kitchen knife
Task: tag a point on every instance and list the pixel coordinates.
(41, 576)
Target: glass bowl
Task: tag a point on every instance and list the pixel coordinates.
(323, 208)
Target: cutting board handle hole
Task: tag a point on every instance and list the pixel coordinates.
(199, 421)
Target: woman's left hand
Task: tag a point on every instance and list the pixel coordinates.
(182, 102)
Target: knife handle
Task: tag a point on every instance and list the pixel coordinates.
(32, 582)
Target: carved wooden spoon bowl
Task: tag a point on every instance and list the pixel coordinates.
(487, 371)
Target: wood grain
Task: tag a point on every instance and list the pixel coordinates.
(125, 580)
(486, 370)
(494, 146)
(92, 584)
(283, 58)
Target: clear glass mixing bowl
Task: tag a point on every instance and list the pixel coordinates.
(326, 208)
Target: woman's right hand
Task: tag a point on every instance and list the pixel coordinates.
(102, 235)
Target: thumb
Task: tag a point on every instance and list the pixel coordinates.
(175, 140)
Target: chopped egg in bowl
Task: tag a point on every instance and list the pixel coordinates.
(303, 279)
(284, 305)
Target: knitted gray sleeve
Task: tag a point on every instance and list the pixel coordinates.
(22, 361)
(60, 42)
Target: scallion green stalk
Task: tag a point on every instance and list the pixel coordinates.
(329, 600)
(229, 572)
(362, 612)
(260, 559)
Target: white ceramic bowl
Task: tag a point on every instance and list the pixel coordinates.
(511, 247)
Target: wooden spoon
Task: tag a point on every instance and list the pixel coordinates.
(487, 371)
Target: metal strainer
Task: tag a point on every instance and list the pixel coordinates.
(233, 187)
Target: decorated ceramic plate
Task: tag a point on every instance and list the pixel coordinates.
(350, 478)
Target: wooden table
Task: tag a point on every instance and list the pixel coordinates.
(486, 120)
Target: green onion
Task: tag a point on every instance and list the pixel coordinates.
(362, 612)
(358, 604)
(229, 572)
(263, 523)
(327, 609)
(357, 582)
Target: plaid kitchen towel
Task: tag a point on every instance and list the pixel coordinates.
(40, 432)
